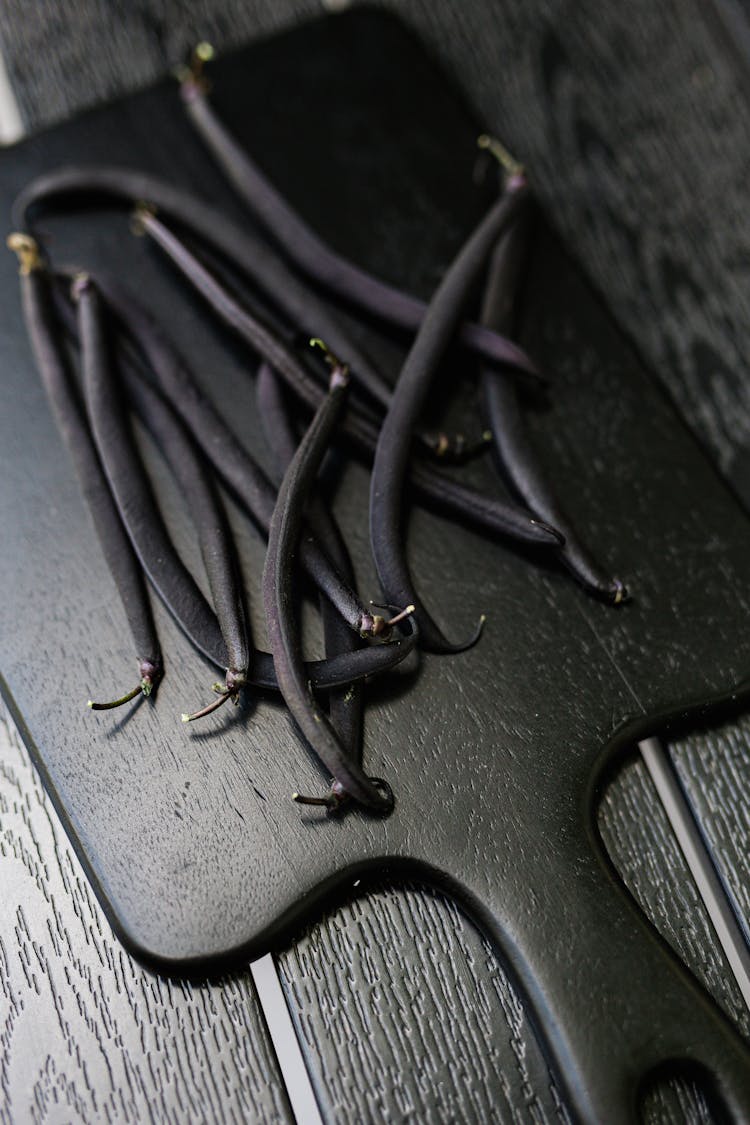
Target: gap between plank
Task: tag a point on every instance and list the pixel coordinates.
(11, 126)
(291, 1062)
(698, 858)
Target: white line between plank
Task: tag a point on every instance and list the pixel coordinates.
(11, 126)
(285, 1043)
(693, 847)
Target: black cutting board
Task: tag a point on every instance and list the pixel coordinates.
(497, 755)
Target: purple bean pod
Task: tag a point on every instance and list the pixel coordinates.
(315, 258)
(513, 449)
(391, 462)
(278, 582)
(250, 255)
(129, 480)
(494, 514)
(323, 675)
(44, 335)
(238, 469)
(215, 539)
(345, 707)
(254, 329)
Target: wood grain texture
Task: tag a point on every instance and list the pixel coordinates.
(426, 1032)
(64, 56)
(223, 873)
(367, 985)
(714, 768)
(86, 1035)
(634, 121)
(589, 97)
(638, 837)
(602, 242)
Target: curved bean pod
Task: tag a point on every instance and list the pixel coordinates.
(254, 331)
(130, 485)
(512, 446)
(337, 671)
(345, 707)
(316, 258)
(323, 675)
(246, 479)
(248, 253)
(251, 255)
(214, 537)
(278, 575)
(70, 418)
(394, 443)
(492, 513)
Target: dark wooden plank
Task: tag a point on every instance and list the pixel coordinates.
(638, 837)
(617, 461)
(714, 767)
(403, 1009)
(656, 211)
(405, 1012)
(580, 74)
(62, 57)
(85, 1033)
(676, 1101)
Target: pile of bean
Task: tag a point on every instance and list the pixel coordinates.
(101, 356)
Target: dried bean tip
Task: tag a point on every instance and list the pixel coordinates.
(338, 797)
(142, 212)
(80, 282)
(190, 75)
(557, 537)
(203, 52)
(138, 690)
(464, 646)
(214, 705)
(620, 592)
(512, 167)
(27, 251)
(301, 799)
(375, 625)
(339, 369)
(441, 445)
(400, 616)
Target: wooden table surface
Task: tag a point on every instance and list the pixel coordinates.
(644, 167)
